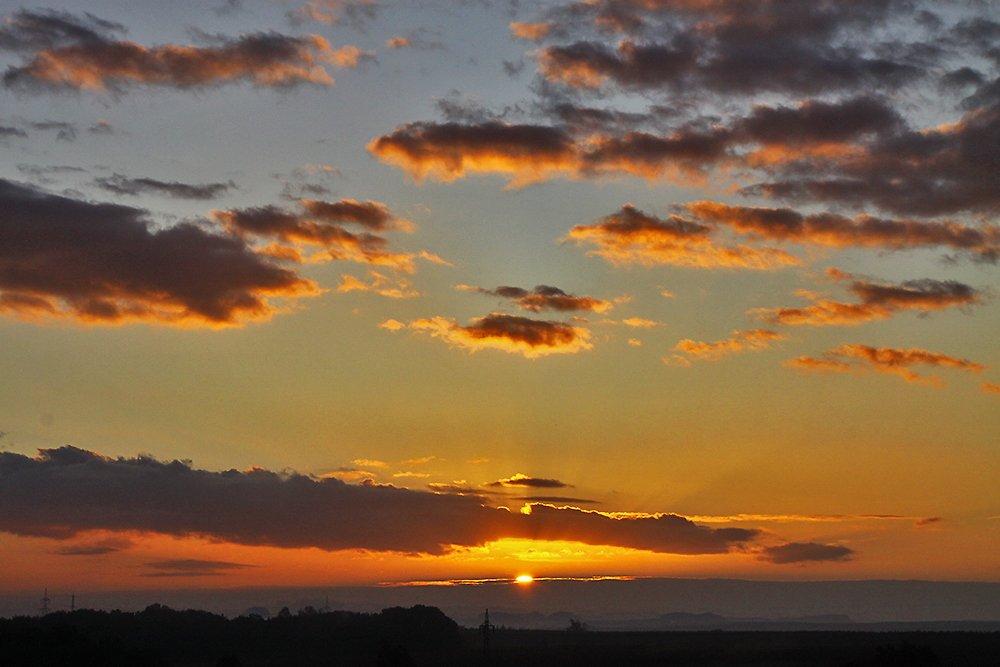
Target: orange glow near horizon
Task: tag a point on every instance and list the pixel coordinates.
(524, 579)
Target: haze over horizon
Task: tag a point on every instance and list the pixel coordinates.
(348, 292)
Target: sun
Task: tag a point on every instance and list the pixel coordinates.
(524, 579)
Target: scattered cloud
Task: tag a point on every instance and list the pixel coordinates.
(543, 297)
(122, 185)
(62, 51)
(533, 482)
(932, 521)
(106, 264)
(510, 333)
(739, 341)
(826, 229)
(369, 463)
(418, 461)
(633, 237)
(878, 301)
(321, 224)
(862, 358)
(990, 388)
(356, 12)
(394, 288)
(101, 127)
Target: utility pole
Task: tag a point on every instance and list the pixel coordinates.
(487, 630)
(45, 602)
(72, 602)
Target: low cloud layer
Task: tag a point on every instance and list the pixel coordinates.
(510, 333)
(859, 358)
(67, 491)
(107, 264)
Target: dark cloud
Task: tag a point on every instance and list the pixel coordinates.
(64, 131)
(99, 548)
(801, 47)
(805, 552)
(61, 51)
(28, 31)
(592, 142)
(533, 482)
(102, 127)
(532, 338)
(557, 499)
(358, 13)
(828, 229)
(106, 264)
(190, 567)
(449, 150)
(858, 358)
(66, 491)
(633, 237)
(928, 521)
(9, 131)
(544, 297)
(122, 185)
(940, 171)
(878, 301)
(322, 224)
(47, 174)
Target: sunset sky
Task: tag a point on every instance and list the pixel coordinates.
(346, 292)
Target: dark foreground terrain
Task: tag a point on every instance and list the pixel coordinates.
(423, 636)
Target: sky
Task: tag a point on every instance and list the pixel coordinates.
(350, 292)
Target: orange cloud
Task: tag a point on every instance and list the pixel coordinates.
(990, 388)
(827, 229)
(861, 358)
(329, 11)
(530, 31)
(532, 338)
(447, 151)
(321, 224)
(380, 284)
(543, 297)
(106, 264)
(264, 59)
(740, 341)
(633, 237)
(879, 301)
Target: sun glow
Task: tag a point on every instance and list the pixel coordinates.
(524, 579)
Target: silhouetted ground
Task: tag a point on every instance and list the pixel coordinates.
(424, 637)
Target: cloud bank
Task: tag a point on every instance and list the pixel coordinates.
(67, 491)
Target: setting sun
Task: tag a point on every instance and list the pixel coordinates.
(524, 579)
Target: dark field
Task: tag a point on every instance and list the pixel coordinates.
(423, 636)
